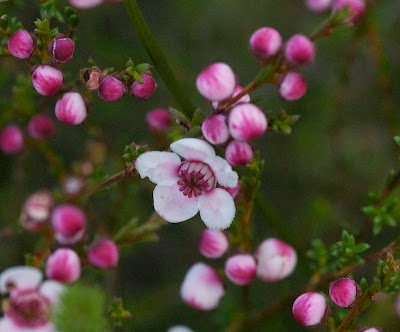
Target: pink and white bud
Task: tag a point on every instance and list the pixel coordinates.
(265, 43)
(144, 90)
(238, 153)
(276, 260)
(11, 139)
(36, 211)
(159, 120)
(369, 329)
(84, 4)
(241, 269)
(111, 88)
(357, 8)
(318, 6)
(19, 278)
(41, 127)
(69, 224)
(310, 309)
(217, 82)
(344, 292)
(47, 80)
(179, 328)
(71, 108)
(247, 121)
(202, 288)
(64, 266)
(21, 44)
(61, 48)
(299, 50)
(215, 129)
(213, 244)
(292, 86)
(103, 254)
(234, 192)
(72, 185)
(91, 77)
(243, 99)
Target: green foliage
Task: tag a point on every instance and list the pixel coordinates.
(388, 273)
(282, 123)
(49, 10)
(118, 315)
(132, 152)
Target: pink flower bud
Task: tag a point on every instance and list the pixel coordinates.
(265, 43)
(159, 120)
(247, 121)
(292, 86)
(234, 192)
(310, 309)
(213, 244)
(36, 211)
(344, 292)
(69, 223)
(63, 265)
(103, 254)
(215, 129)
(61, 48)
(241, 269)
(21, 44)
(369, 329)
(71, 108)
(72, 185)
(276, 260)
(179, 328)
(11, 139)
(47, 80)
(238, 89)
(238, 153)
(111, 88)
(318, 6)
(202, 288)
(41, 127)
(299, 50)
(217, 82)
(357, 8)
(144, 90)
(91, 77)
(83, 4)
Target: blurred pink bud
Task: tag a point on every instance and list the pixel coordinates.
(47, 80)
(103, 254)
(61, 48)
(238, 153)
(63, 265)
(83, 4)
(357, 8)
(72, 185)
(202, 288)
(310, 309)
(247, 121)
(144, 90)
(344, 292)
(179, 328)
(238, 89)
(11, 139)
(292, 86)
(234, 192)
(36, 210)
(217, 82)
(276, 260)
(213, 244)
(41, 127)
(71, 108)
(159, 120)
(318, 6)
(369, 329)
(21, 44)
(111, 88)
(265, 43)
(69, 223)
(241, 269)
(299, 50)
(215, 129)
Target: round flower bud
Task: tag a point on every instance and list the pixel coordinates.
(310, 309)
(159, 120)
(292, 86)
(72, 185)
(357, 8)
(238, 153)
(11, 139)
(144, 90)
(21, 44)
(234, 192)
(276, 260)
(41, 127)
(47, 80)
(71, 108)
(299, 50)
(69, 223)
(179, 328)
(202, 288)
(63, 265)
(246, 121)
(344, 292)
(217, 82)
(61, 48)
(83, 4)
(103, 254)
(265, 43)
(318, 6)
(369, 329)
(111, 88)
(213, 244)
(243, 99)
(241, 269)
(215, 129)
(36, 210)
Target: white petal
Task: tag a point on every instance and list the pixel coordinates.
(193, 149)
(52, 290)
(223, 171)
(217, 209)
(172, 205)
(20, 277)
(7, 325)
(161, 167)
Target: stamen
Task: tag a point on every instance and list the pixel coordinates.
(195, 178)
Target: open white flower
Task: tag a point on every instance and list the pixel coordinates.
(185, 187)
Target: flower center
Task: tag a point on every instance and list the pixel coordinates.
(195, 178)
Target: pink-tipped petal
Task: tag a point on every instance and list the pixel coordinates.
(193, 149)
(215, 129)
(292, 86)
(357, 8)
(71, 108)
(300, 50)
(344, 292)
(179, 328)
(310, 309)
(52, 290)
(21, 44)
(64, 266)
(103, 254)
(241, 269)
(213, 244)
(318, 6)
(11, 139)
(238, 153)
(47, 80)
(20, 278)
(223, 171)
(159, 120)
(247, 121)
(265, 43)
(84, 4)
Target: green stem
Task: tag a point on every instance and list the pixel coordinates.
(158, 58)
